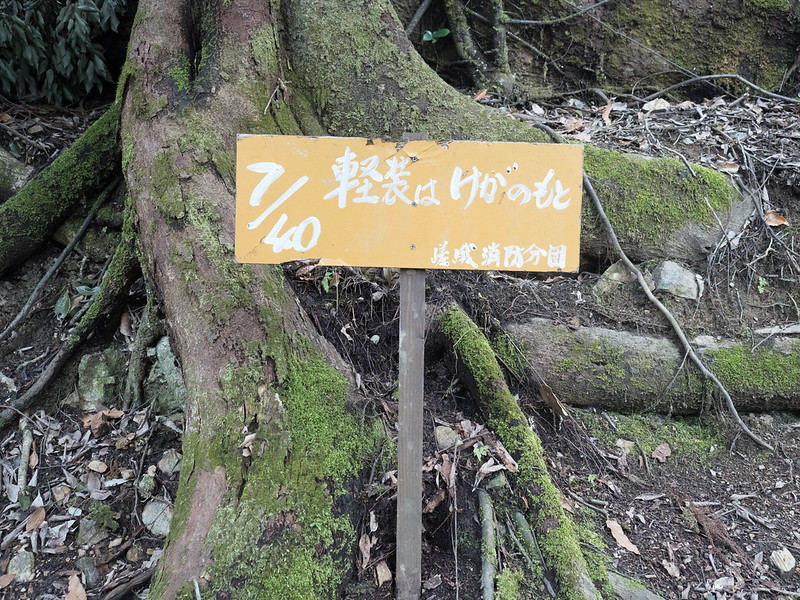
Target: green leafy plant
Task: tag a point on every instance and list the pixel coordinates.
(50, 49)
(326, 281)
(434, 36)
(480, 452)
(763, 285)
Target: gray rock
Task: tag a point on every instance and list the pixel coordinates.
(446, 437)
(672, 278)
(783, 561)
(612, 278)
(147, 485)
(157, 517)
(89, 533)
(97, 378)
(629, 589)
(22, 565)
(89, 570)
(164, 385)
(170, 462)
(13, 175)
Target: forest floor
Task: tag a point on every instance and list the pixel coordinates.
(702, 509)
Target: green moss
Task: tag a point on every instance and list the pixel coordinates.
(763, 373)
(558, 539)
(205, 140)
(165, 188)
(180, 73)
(773, 5)
(648, 200)
(103, 516)
(80, 171)
(690, 438)
(507, 584)
(284, 536)
(736, 40)
(507, 350)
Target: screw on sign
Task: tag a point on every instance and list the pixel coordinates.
(413, 205)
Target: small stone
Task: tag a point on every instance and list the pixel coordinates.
(446, 437)
(135, 554)
(97, 378)
(89, 570)
(157, 516)
(170, 462)
(612, 278)
(33, 130)
(147, 485)
(672, 278)
(783, 561)
(89, 534)
(22, 566)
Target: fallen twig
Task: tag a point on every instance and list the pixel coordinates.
(417, 16)
(488, 545)
(587, 184)
(735, 76)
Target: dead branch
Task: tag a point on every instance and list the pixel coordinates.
(417, 16)
(735, 76)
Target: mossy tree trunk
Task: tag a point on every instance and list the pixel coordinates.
(274, 524)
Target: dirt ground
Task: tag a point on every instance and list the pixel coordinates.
(702, 516)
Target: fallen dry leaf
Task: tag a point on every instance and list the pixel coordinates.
(382, 573)
(661, 452)
(75, 590)
(607, 112)
(727, 167)
(549, 397)
(36, 519)
(482, 95)
(98, 466)
(620, 537)
(98, 421)
(774, 218)
(671, 568)
(365, 545)
(433, 582)
(6, 579)
(657, 104)
(33, 460)
(434, 502)
(573, 125)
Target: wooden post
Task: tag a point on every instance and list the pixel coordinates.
(409, 444)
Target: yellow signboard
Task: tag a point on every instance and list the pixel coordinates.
(422, 204)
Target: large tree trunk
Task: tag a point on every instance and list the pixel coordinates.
(274, 524)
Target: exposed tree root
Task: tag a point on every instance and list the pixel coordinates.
(478, 368)
(150, 329)
(612, 236)
(29, 217)
(120, 275)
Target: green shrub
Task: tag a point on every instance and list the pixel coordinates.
(50, 49)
